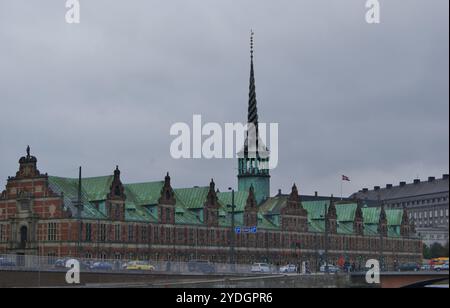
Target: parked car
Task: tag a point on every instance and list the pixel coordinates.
(409, 267)
(425, 267)
(201, 266)
(4, 262)
(60, 263)
(260, 268)
(102, 266)
(441, 267)
(331, 269)
(290, 268)
(139, 266)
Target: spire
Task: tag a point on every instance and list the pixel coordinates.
(252, 110)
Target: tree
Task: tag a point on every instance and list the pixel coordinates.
(437, 250)
(426, 252)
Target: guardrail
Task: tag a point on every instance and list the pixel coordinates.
(49, 264)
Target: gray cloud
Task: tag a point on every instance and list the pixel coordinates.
(367, 101)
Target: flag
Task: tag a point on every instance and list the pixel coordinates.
(345, 178)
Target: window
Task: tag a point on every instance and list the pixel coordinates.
(144, 234)
(102, 235)
(130, 233)
(117, 233)
(51, 232)
(167, 215)
(3, 237)
(88, 232)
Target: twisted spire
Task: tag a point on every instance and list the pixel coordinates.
(252, 110)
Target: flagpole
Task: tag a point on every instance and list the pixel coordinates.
(342, 180)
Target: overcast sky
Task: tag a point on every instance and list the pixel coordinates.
(367, 101)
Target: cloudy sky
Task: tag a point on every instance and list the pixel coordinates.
(367, 101)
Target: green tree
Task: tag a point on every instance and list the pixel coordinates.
(437, 250)
(426, 252)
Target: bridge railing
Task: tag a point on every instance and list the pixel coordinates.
(194, 267)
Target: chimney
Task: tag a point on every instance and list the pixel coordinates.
(376, 188)
(365, 190)
(416, 181)
(316, 194)
(431, 179)
(402, 184)
(279, 192)
(388, 186)
(445, 176)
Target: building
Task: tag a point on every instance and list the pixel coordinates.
(426, 201)
(104, 218)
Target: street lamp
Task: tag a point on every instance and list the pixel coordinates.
(326, 238)
(232, 242)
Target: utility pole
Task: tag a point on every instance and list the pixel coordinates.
(79, 210)
(380, 231)
(326, 237)
(233, 238)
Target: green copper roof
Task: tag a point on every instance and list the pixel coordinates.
(143, 193)
(240, 200)
(97, 188)
(142, 199)
(69, 188)
(191, 198)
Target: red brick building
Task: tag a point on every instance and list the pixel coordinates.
(103, 218)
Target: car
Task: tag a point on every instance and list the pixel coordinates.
(101, 266)
(201, 266)
(139, 266)
(4, 262)
(60, 263)
(425, 267)
(409, 267)
(331, 269)
(290, 268)
(441, 267)
(260, 268)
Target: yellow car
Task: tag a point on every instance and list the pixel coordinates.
(139, 266)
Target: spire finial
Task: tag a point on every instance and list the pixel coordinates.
(28, 151)
(252, 34)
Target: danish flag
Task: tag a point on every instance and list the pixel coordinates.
(345, 178)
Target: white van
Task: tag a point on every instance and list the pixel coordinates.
(260, 268)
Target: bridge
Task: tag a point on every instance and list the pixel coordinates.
(56, 278)
(405, 279)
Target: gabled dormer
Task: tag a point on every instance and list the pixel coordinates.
(405, 227)
(358, 222)
(382, 222)
(293, 215)
(211, 207)
(251, 209)
(115, 200)
(166, 203)
(331, 217)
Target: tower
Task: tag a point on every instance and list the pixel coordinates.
(254, 158)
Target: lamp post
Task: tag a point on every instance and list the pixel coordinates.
(232, 240)
(326, 238)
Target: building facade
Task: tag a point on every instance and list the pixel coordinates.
(103, 218)
(426, 201)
